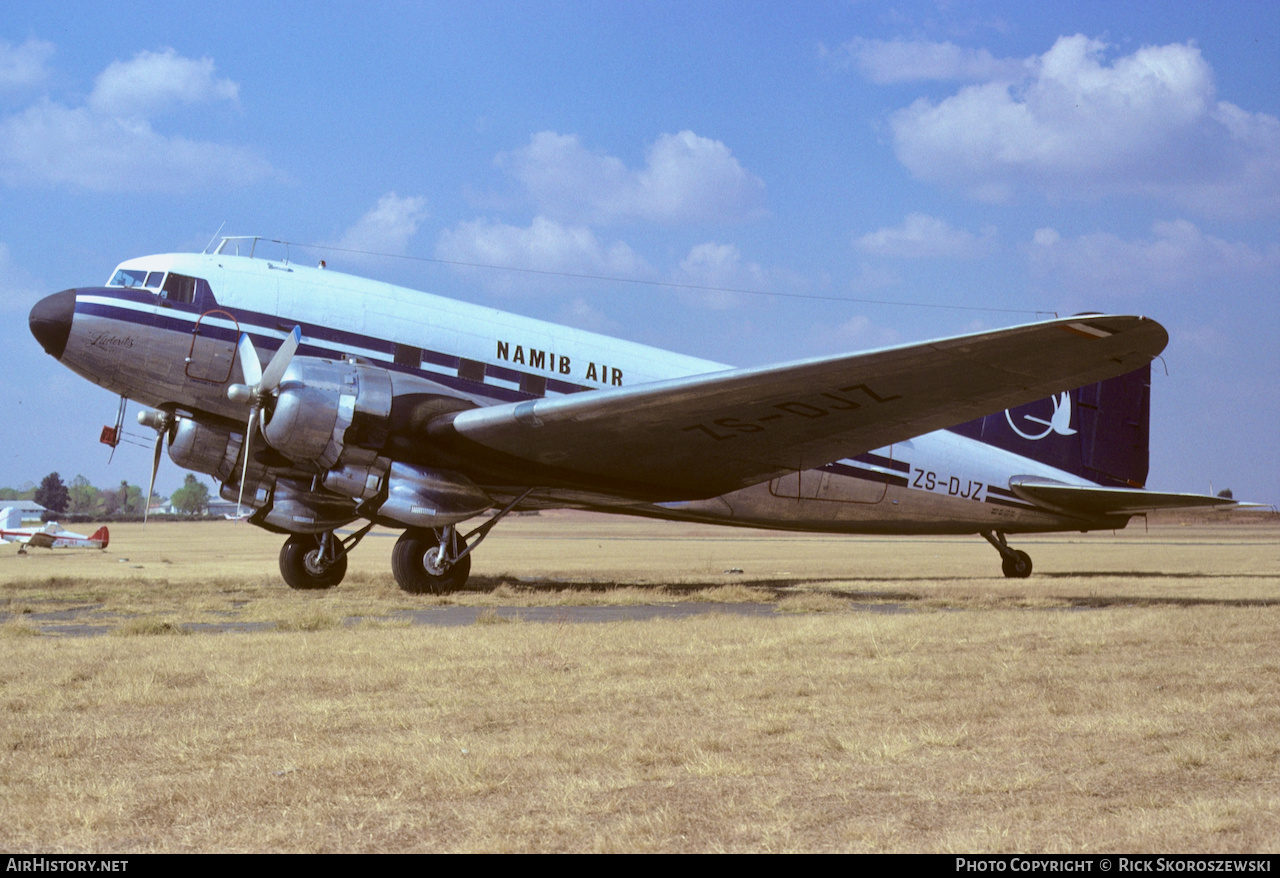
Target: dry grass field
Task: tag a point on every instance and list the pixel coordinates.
(1125, 698)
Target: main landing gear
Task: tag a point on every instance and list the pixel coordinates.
(424, 560)
(313, 561)
(431, 561)
(1016, 564)
(438, 560)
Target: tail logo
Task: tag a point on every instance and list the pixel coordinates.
(1059, 422)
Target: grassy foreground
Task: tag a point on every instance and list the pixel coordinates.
(990, 717)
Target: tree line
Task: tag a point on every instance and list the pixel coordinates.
(80, 498)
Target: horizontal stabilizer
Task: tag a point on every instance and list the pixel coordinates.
(1088, 500)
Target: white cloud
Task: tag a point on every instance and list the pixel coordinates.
(584, 315)
(890, 61)
(719, 265)
(52, 144)
(855, 334)
(721, 268)
(387, 227)
(157, 81)
(686, 178)
(545, 246)
(1078, 125)
(25, 65)
(1177, 257)
(922, 236)
(108, 145)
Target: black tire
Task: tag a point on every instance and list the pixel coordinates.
(297, 564)
(412, 570)
(1018, 566)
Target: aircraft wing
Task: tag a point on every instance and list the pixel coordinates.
(709, 434)
(1094, 501)
(42, 540)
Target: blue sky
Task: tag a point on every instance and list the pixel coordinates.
(897, 171)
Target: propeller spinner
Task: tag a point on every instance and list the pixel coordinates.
(259, 385)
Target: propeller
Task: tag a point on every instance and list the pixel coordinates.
(259, 385)
(159, 421)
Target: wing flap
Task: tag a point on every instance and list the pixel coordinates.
(709, 434)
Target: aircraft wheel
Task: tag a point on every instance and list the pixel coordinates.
(1018, 566)
(415, 566)
(300, 567)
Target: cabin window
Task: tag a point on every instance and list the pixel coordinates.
(154, 280)
(471, 370)
(129, 278)
(178, 288)
(534, 385)
(406, 355)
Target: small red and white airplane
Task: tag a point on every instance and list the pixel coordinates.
(51, 536)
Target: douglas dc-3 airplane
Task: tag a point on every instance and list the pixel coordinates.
(414, 411)
(51, 536)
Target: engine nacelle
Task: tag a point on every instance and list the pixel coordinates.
(421, 497)
(317, 401)
(205, 449)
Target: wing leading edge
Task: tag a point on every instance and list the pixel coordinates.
(709, 434)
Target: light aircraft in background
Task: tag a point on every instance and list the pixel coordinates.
(51, 536)
(418, 412)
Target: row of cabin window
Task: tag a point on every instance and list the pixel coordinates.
(471, 370)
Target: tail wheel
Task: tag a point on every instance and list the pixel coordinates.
(416, 563)
(1017, 565)
(302, 567)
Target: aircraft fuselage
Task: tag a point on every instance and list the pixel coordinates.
(164, 332)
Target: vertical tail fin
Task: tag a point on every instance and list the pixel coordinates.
(10, 518)
(1100, 431)
(102, 534)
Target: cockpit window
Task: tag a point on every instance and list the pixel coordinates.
(128, 278)
(178, 288)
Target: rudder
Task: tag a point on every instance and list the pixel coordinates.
(1100, 431)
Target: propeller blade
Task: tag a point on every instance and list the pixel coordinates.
(155, 467)
(280, 361)
(250, 365)
(244, 471)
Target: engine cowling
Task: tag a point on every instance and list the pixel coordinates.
(334, 422)
(317, 401)
(205, 448)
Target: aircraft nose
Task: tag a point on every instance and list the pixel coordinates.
(50, 321)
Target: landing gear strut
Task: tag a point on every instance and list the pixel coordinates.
(438, 561)
(313, 561)
(1016, 564)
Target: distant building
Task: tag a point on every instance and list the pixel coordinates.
(216, 506)
(31, 510)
